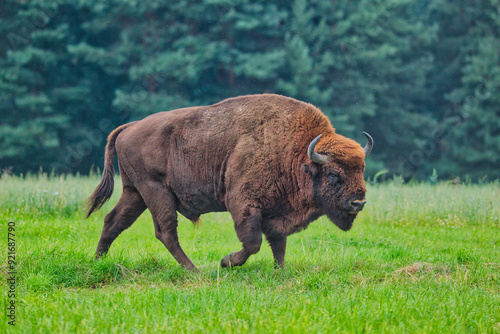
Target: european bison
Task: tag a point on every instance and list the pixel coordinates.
(275, 163)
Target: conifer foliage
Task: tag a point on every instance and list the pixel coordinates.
(422, 77)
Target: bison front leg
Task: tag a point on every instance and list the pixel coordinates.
(249, 232)
(278, 246)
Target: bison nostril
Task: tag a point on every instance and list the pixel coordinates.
(358, 205)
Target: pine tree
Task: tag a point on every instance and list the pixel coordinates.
(420, 76)
(56, 103)
(467, 87)
(31, 123)
(364, 64)
(474, 142)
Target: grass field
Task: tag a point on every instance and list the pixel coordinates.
(420, 258)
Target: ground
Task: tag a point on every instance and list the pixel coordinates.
(420, 258)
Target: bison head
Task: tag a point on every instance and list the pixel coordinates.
(337, 173)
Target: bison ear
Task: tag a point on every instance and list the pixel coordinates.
(311, 169)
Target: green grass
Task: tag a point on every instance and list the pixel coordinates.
(420, 259)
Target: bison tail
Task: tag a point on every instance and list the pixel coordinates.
(104, 190)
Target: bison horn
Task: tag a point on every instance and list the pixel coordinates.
(369, 146)
(315, 157)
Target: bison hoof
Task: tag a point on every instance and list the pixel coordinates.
(226, 261)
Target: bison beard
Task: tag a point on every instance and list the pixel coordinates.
(343, 220)
(275, 163)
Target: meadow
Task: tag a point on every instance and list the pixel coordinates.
(421, 258)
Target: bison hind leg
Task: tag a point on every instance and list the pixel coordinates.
(163, 207)
(124, 214)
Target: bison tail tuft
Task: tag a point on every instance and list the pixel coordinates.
(104, 190)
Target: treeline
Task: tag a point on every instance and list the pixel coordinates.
(423, 77)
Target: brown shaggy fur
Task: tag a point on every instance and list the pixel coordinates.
(246, 155)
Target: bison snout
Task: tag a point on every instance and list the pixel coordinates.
(357, 205)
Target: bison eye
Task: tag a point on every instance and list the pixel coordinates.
(333, 178)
